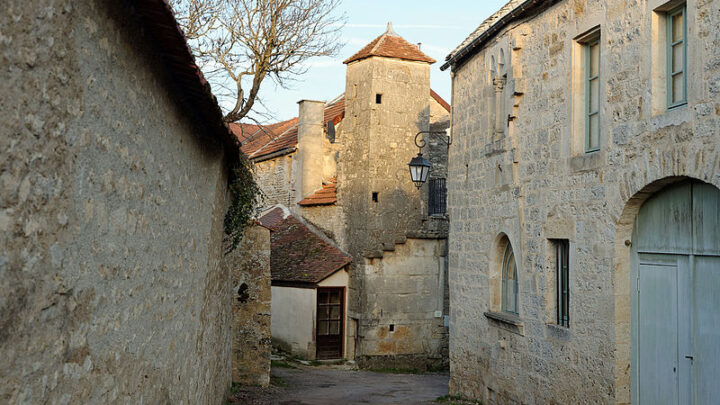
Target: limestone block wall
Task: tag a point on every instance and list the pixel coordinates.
(405, 307)
(111, 215)
(275, 177)
(539, 185)
(249, 269)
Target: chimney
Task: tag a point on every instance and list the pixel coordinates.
(310, 147)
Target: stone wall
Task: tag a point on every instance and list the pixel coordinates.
(249, 269)
(275, 177)
(379, 138)
(406, 291)
(111, 215)
(534, 184)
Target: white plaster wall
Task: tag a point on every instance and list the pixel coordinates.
(292, 323)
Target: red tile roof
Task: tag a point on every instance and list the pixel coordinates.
(440, 100)
(327, 195)
(258, 141)
(297, 253)
(391, 45)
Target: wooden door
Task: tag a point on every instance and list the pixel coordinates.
(676, 302)
(330, 317)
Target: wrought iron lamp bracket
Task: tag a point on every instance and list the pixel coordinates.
(421, 142)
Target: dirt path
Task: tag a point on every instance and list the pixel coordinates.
(306, 385)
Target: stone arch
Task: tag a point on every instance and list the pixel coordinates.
(622, 273)
(495, 262)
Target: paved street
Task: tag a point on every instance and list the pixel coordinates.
(306, 385)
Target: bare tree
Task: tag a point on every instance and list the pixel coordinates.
(242, 42)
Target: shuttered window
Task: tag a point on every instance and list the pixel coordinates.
(437, 200)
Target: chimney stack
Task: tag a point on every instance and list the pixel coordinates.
(310, 147)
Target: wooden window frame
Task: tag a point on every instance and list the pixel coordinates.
(589, 113)
(669, 44)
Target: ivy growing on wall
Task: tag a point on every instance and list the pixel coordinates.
(244, 198)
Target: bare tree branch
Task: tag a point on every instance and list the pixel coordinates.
(247, 41)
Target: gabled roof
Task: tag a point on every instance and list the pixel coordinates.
(299, 254)
(327, 195)
(391, 45)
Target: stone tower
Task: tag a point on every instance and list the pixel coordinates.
(387, 102)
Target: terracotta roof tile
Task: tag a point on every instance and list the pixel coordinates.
(261, 140)
(440, 100)
(327, 195)
(391, 45)
(297, 253)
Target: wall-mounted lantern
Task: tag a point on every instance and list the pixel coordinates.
(419, 166)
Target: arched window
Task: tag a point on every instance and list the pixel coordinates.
(509, 281)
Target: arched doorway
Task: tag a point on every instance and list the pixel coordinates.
(675, 296)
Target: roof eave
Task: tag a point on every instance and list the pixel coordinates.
(453, 60)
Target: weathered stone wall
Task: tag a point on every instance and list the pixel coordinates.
(275, 177)
(378, 138)
(536, 184)
(111, 213)
(249, 269)
(405, 307)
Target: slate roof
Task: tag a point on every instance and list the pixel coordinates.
(391, 45)
(297, 253)
(327, 195)
(512, 10)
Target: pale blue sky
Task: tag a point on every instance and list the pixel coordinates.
(439, 25)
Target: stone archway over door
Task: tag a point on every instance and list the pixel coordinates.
(676, 299)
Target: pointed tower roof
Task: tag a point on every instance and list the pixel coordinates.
(391, 45)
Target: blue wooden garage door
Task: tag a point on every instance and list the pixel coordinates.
(676, 299)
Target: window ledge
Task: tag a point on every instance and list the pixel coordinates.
(558, 332)
(588, 161)
(507, 321)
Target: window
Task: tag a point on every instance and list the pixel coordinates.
(676, 57)
(562, 275)
(375, 196)
(509, 281)
(437, 198)
(378, 98)
(591, 52)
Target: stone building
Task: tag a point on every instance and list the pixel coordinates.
(114, 170)
(582, 191)
(342, 167)
(309, 288)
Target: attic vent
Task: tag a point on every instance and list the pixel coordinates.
(331, 132)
